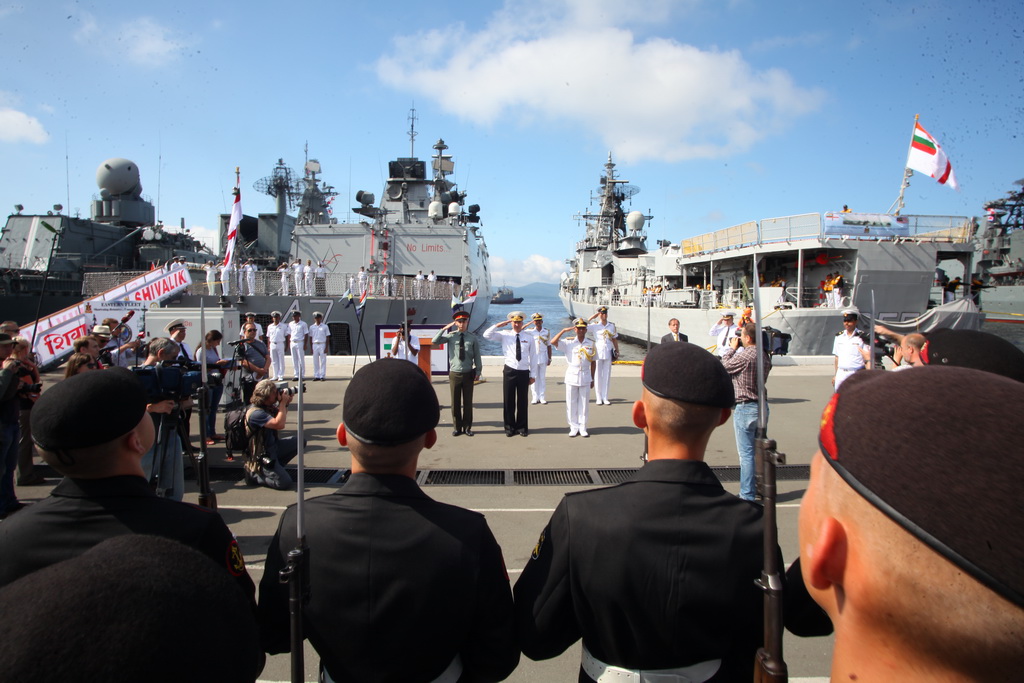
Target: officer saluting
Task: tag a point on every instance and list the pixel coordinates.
(403, 588)
(656, 573)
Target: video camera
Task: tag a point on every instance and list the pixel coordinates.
(175, 380)
(283, 386)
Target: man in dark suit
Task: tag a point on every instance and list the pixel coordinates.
(404, 588)
(674, 335)
(655, 574)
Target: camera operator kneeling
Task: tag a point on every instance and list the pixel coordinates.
(268, 453)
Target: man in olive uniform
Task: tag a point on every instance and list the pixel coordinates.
(403, 588)
(464, 367)
(655, 574)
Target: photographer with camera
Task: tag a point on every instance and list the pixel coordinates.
(251, 358)
(163, 462)
(216, 367)
(120, 350)
(268, 453)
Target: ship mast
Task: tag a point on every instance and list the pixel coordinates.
(412, 133)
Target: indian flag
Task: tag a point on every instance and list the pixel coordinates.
(926, 156)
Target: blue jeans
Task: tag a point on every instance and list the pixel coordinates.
(9, 436)
(744, 419)
(213, 400)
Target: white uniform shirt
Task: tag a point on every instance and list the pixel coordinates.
(211, 272)
(276, 333)
(318, 334)
(401, 349)
(603, 334)
(540, 343)
(847, 348)
(578, 355)
(298, 331)
(508, 346)
(320, 272)
(723, 332)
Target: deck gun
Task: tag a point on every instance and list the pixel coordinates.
(769, 666)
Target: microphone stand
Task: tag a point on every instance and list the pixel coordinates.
(207, 498)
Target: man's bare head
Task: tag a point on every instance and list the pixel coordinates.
(903, 533)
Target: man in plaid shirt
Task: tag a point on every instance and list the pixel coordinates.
(740, 361)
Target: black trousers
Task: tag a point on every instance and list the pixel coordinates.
(462, 399)
(515, 387)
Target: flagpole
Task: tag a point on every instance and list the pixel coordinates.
(907, 172)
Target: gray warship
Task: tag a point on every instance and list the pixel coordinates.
(45, 258)
(415, 254)
(999, 258)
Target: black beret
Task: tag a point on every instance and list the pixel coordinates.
(973, 349)
(389, 402)
(106, 610)
(687, 372)
(88, 410)
(946, 471)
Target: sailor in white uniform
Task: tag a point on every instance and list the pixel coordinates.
(277, 336)
(297, 276)
(240, 272)
(580, 357)
(431, 285)
(320, 279)
(419, 284)
(226, 274)
(284, 270)
(361, 278)
(307, 276)
(850, 350)
(318, 334)
(540, 359)
(723, 331)
(211, 277)
(605, 341)
(250, 319)
(250, 276)
(298, 335)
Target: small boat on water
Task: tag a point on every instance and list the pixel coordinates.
(505, 295)
(886, 264)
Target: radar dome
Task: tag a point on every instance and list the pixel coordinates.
(635, 221)
(435, 210)
(117, 177)
(454, 209)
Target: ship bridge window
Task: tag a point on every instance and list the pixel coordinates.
(409, 168)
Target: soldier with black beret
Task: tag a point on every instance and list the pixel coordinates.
(910, 531)
(403, 588)
(655, 574)
(94, 429)
(113, 611)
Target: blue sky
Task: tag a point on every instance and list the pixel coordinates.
(720, 111)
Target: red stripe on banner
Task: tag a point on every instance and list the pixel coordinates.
(945, 176)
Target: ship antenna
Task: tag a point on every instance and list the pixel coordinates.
(412, 131)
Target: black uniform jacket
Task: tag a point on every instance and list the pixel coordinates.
(655, 573)
(81, 513)
(400, 584)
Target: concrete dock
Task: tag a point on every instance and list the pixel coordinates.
(516, 482)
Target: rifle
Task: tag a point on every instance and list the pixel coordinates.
(296, 570)
(769, 666)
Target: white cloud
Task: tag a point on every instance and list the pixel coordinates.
(141, 41)
(574, 63)
(516, 272)
(17, 126)
(208, 236)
